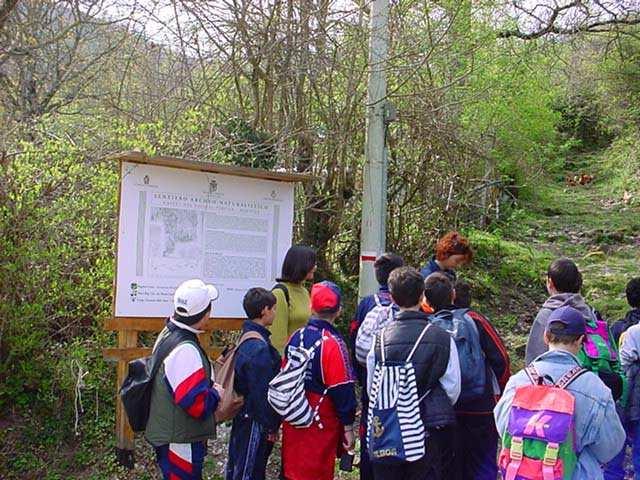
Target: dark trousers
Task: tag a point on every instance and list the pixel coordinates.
(249, 450)
(437, 464)
(366, 470)
(476, 447)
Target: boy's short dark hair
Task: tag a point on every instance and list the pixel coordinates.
(385, 264)
(255, 300)
(633, 292)
(565, 275)
(557, 337)
(438, 290)
(406, 286)
(463, 294)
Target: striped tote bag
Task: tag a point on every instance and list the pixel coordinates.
(395, 431)
(286, 392)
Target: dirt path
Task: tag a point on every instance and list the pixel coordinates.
(596, 228)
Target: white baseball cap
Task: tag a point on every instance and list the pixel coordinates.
(193, 297)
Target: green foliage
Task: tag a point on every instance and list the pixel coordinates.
(500, 263)
(620, 84)
(582, 120)
(57, 220)
(622, 164)
(57, 262)
(248, 147)
(511, 112)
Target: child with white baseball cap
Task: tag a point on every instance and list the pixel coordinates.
(184, 396)
(192, 299)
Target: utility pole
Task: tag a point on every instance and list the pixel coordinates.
(374, 189)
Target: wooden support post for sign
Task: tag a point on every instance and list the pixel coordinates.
(129, 327)
(124, 435)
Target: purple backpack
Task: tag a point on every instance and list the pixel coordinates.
(539, 443)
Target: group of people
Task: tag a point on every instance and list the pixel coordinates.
(437, 398)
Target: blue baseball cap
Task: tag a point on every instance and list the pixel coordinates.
(571, 320)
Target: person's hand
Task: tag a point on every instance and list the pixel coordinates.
(219, 389)
(349, 438)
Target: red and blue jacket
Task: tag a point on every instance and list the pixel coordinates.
(330, 367)
(189, 380)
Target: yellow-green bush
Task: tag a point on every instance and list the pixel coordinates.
(57, 221)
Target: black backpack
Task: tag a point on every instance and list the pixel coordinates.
(136, 388)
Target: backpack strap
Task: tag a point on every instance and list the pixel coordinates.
(415, 346)
(390, 314)
(167, 345)
(285, 290)
(250, 335)
(570, 376)
(319, 341)
(316, 344)
(533, 374)
(316, 410)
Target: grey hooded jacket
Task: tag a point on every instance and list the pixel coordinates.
(535, 343)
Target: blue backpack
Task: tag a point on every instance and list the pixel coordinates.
(395, 431)
(465, 334)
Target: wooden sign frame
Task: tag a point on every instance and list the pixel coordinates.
(128, 328)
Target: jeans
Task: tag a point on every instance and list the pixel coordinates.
(615, 469)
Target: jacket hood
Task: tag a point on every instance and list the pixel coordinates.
(574, 300)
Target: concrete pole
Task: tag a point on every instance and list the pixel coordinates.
(374, 189)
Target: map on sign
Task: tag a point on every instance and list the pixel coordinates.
(179, 224)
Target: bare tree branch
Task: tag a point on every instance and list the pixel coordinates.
(571, 18)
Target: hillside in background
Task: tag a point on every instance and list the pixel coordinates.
(597, 225)
(518, 125)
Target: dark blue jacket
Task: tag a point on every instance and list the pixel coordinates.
(369, 302)
(433, 267)
(621, 326)
(257, 362)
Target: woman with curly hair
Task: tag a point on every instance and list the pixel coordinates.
(452, 251)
